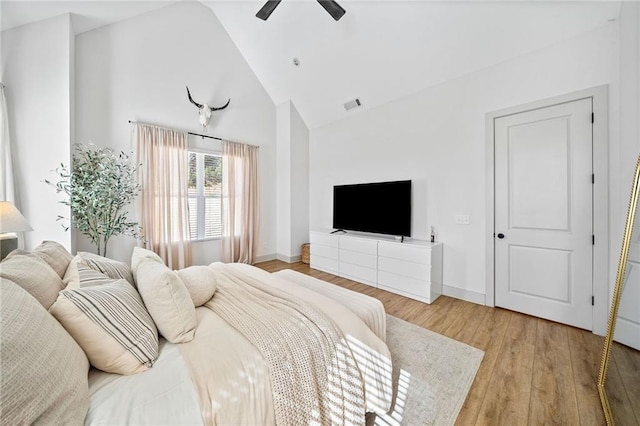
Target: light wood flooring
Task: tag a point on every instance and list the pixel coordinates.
(534, 372)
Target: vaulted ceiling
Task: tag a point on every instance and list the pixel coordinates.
(379, 51)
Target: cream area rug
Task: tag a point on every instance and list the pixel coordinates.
(432, 375)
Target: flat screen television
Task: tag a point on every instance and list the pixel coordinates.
(380, 208)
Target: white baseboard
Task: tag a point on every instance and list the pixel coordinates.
(265, 258)
(460, 293)
(288, 259)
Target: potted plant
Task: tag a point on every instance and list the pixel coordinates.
(99, 184)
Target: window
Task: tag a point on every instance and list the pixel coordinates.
(205, 196)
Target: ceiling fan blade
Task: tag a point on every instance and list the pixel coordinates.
(267, 9)
(335, 10)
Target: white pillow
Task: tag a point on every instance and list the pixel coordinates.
(167, 300)
(200, 282)
(139, 255)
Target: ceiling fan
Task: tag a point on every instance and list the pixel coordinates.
(335, 10)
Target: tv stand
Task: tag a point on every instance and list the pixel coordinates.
(411, 268)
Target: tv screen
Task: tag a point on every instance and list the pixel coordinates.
(380, 208)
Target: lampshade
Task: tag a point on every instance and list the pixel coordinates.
(11, 220)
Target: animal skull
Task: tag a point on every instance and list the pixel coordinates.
(204, 111)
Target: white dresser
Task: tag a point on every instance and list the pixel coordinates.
(324, 253)
(412, 268)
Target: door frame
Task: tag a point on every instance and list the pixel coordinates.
(600, 272)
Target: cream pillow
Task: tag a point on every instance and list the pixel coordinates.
(200, 282)
(55, 255)
(44, 371)
(71, 278)
(111, 324)
(33, 274)
(140, 255)
(167, 300)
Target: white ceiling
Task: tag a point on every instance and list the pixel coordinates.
(379, 51)
(87, 15)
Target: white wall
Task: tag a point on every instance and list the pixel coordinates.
(292, 160)
(437, 139)
(37, 61)
(137, 70)
(283, 180)
(299, 183)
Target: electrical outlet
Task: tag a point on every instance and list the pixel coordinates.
(463, 219)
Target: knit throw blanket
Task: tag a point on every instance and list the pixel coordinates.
(314, 376)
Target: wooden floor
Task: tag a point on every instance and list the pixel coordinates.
(534, 372)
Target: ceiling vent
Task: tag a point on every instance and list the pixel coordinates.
(352, 104)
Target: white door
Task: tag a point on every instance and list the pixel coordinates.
(543, 213)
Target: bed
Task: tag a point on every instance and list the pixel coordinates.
(280, 348)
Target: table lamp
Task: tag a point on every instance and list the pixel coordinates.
(11, 220)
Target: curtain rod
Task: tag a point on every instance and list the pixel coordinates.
(204, 136)
(207, 136)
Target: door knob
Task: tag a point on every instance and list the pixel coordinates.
(501, 235)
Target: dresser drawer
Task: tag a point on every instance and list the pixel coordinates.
(358, 273)
(325, 264)
(361, 245)
(324, 251)
(356, 258)
(419, 271)
(395, 282)
(323, 239)
(406, 252)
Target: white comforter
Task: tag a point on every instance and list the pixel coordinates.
(221, 378)
(163, 395)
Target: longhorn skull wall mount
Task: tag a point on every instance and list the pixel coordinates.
(204, 110)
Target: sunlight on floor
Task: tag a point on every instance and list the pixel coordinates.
(394, 417)
(376, 371)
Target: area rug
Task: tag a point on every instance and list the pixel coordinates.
(432, 375)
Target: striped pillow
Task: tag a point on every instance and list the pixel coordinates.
(111, 325)
(109, 267)
(79, 275)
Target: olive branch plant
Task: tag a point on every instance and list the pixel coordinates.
(99, 185)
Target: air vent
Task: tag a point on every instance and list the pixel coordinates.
(352, 104)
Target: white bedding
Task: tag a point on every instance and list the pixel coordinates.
(163, 394)
(230, 383)
(368, 309)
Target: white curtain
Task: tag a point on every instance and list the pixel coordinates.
(8, 188)
(164, 205)
(239, 202)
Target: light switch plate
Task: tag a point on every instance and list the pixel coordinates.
(463, 219)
